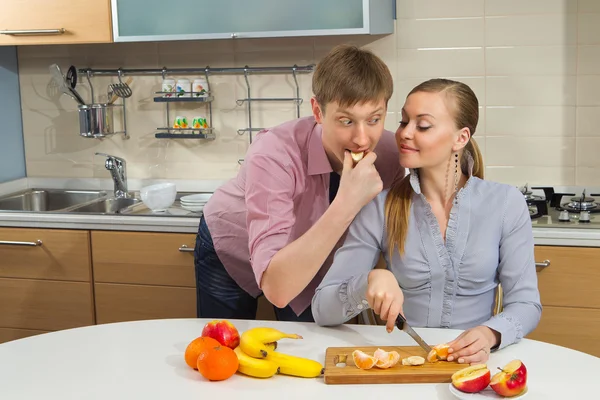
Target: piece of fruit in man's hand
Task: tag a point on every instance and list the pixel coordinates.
(472, 379)
(356, 157)
(511, 380)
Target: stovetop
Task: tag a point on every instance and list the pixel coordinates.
(563, 207)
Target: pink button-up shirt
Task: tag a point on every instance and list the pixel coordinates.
(281, 190)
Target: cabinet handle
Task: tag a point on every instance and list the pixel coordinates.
(542, 265)
(185, 249)
(11, 243)
(59, 31)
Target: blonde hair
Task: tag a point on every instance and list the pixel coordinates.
(464, 107)
(349, 75)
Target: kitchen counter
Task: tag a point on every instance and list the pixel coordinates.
(189, 224)
(145, 360)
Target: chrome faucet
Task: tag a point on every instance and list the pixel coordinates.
(118, 170)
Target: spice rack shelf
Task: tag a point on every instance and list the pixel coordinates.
(161, 99)
(207, 133)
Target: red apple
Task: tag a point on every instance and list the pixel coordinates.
(472, 379)
(223, 331)
(511, 380)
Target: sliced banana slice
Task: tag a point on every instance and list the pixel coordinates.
(413, 360)
(357, 156)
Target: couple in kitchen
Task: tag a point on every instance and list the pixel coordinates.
(324, 236)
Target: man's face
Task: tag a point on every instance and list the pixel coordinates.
(357, 128)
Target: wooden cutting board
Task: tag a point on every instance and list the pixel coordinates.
(348, 373)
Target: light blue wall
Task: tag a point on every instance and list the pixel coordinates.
(12, 153)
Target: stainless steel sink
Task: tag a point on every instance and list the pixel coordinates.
(48, 199)
(106, 206)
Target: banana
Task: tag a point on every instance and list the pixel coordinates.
(253, 341)
(296, 366)
(258, 368)
(272, 346)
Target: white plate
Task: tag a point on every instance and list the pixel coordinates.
(194, 198)
(487, 393)
(193, 209)
(194, 203)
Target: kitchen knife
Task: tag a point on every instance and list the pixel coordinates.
(404, 326)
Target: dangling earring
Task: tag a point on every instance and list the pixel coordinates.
(456, 179)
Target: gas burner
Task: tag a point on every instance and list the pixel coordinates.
(581, 203)
(538, 205)
(528, 194)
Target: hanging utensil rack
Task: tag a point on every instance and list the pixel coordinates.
(208, 133)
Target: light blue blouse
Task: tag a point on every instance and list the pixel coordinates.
(489, 239)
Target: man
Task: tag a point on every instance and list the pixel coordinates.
(274, 227)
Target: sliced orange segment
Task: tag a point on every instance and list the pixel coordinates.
(386, 359)
(362, 360)
(439, 352)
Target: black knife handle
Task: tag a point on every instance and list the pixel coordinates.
(400, 320)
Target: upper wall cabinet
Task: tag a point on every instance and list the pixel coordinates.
(156, 20)
(24, 22)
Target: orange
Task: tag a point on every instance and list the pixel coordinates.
(195, 347)
(362, 360)
(386, 359)
(217, 363)
(439, 352)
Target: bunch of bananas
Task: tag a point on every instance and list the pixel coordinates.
(258, 358)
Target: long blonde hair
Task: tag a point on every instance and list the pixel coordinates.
(465, 109)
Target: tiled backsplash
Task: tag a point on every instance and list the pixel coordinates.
(534, 65)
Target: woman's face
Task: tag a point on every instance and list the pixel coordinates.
(427, 136)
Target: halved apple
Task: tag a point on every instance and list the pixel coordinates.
(472, 379)
(511, 380)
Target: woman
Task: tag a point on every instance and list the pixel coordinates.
(448, 237)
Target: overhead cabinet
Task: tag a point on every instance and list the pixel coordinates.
(35, 22)
(227, 19)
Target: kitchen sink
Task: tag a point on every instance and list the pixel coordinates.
(107, 206)
(48, 199)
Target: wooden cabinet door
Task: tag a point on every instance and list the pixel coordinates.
(572, 278)
(59, 255)
(29, 22)
(117, 302)
(569, 295)
(45, 305)
(144, 258)
(575, 328)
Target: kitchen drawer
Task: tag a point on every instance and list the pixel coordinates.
(45, 305)
(117, 302)
(575, 328)
(63, 254)
(143, 258)
(8, 334)
(83, 21)
(573, 277)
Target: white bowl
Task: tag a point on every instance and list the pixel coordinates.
(159, 197)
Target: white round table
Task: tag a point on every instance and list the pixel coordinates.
(144, 360)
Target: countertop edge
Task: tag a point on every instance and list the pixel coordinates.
(542, 236)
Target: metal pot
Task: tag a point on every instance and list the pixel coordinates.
(96, 120)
